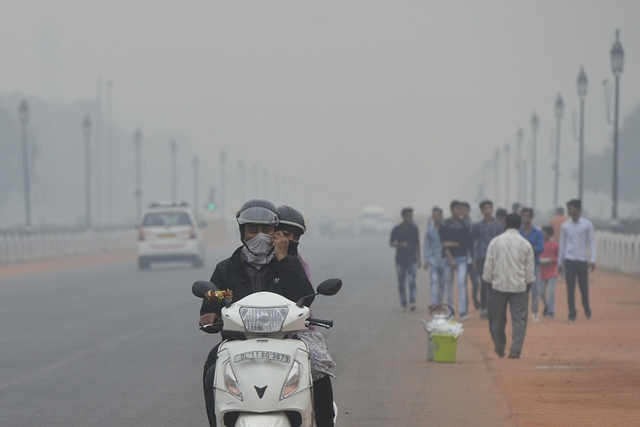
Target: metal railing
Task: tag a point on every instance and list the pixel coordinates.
(619, 252)
(24, 247)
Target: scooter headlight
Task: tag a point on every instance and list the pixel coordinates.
(293, 380)
(230, 382)
(263, 320)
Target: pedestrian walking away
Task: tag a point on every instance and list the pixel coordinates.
(577, 256)
(405, 237)
(509, 269)
(483, 232)
(535, 237)
(433, 260)
(455, 238)
(548, 272)
(556, 222)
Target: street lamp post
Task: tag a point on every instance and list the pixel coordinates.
(559, 113)
(496, 160)
(265, 183)
(519, 162)
(535, 125)
(617, 62)
(507, 195)
(174, 170)
(137, 140)
(23, 113)
(86, 127)
(241, 175)
(223, 161)
(254, 176)
(582, 93)
(195, 163)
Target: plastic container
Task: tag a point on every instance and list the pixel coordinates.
(444, 347)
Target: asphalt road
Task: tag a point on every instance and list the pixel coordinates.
(111, 345)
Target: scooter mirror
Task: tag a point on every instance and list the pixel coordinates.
(201, 287)
(329, 287)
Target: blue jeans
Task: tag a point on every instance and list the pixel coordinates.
(407, 272)
(461, 275)
(548, 294)
(535, 291)
(437, 284)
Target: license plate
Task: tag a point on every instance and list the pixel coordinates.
(166, 236)
(269, 355)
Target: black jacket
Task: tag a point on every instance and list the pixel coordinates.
(285, 277)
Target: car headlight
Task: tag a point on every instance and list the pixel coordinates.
(263, 319)
(230, 382)
(293, 380)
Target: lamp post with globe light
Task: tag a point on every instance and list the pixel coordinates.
(535, 125)
(86, 128)
(507, 195)
(137, 140)
(617, 63)
(582, 93)
(519, 168)
(23, 113)
(559, 107)
(174, 170)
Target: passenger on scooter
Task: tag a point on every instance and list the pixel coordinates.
(260, 264)
(292, 225)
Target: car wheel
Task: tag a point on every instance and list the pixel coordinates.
(143, 264)
(198, 263)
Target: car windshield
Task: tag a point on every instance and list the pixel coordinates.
(166, 219)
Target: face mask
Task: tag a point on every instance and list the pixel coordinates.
(293, 248)
(258, 249)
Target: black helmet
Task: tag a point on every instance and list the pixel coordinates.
(293, 219)
(257, 211)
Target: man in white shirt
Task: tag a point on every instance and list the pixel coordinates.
(577, 256)
(509, 271)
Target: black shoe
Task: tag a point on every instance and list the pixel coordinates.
(500, 353)
(514, 355)
(570, 320)
(588, 315)
(545, 311)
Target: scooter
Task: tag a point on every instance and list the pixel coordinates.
(265, 380)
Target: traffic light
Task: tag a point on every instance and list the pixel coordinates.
(211, 202)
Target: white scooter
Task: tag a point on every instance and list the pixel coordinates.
(265, 380)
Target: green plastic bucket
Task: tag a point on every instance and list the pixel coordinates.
(444, 347)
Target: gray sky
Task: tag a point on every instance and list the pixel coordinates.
(393, 103)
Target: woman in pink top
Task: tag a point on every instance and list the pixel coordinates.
(548, 272)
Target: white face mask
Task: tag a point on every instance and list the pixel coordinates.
(258, 249)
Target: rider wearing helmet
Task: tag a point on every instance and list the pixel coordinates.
(292, 226)
(260, 264)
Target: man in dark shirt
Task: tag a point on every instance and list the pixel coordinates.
(405, 238)
(483, 231)
(456, 239)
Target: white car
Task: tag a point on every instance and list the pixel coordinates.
(169, 232)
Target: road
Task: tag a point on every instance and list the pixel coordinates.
(108, 345)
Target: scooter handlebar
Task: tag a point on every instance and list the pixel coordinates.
(321, 322)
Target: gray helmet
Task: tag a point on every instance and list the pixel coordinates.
(293, 218)
(257, 211)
